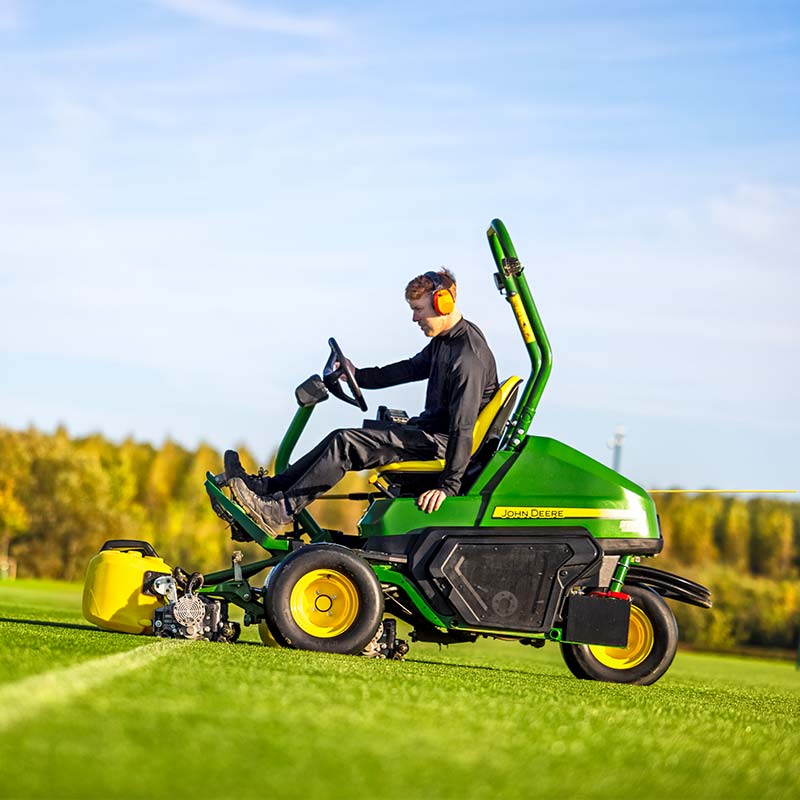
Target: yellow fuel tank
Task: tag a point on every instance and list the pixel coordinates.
(114, 592)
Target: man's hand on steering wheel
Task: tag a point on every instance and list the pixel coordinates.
(349, 365)
(339, 369)
(431, 500)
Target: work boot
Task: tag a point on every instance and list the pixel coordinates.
(268, 512)
(234, 469)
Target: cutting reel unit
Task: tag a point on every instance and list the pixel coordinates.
(188, 615)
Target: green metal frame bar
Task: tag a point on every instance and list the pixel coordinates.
(290, 438)
(226, 586)
(239, 593)
(620, 573)
(386, 574)
(248, 570)
(512, 276)
(287, 445)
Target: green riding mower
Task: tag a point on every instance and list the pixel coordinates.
(542, 544)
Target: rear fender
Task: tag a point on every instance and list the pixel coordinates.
(668, 585)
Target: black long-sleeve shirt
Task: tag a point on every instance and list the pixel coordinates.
(462, 379)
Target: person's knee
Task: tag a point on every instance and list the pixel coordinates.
(338, 440)
(333, 437)
(344, 443)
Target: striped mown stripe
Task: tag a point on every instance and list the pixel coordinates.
(27, 697)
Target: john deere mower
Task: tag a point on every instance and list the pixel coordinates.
(542, 544)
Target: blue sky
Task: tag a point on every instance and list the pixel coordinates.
(195, 194)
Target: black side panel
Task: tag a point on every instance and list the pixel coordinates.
(506, 581)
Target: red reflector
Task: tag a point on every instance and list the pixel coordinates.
(614, 595)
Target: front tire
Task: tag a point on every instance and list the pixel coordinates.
(652, 643)
(323, 597)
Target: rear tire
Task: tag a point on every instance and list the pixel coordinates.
(265, 634)
(568, 654)
(323, 597)
(652, 643)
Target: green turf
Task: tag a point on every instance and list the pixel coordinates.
(493, 719)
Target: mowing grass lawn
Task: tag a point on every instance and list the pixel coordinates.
(88, 714)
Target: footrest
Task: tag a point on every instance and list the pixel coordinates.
(232, 513)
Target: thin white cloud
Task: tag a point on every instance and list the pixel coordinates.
(10, 15)
(759, 213)
(128, 48)
(229, 14)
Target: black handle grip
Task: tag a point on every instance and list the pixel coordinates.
(145, 548)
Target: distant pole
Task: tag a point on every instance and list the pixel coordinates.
(615, 444)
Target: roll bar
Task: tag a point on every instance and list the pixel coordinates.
(511, 282)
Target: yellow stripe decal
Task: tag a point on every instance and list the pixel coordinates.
(554, 512)
(522, 318)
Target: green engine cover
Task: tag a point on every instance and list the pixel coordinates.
(544, 482)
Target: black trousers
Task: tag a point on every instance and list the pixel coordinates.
(352, 449)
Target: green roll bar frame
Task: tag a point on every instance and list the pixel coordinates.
(512, 283)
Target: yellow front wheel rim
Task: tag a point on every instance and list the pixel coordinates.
(641, 639)
(324, 603)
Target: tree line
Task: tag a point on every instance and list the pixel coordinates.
(61, 497)
(748, 553)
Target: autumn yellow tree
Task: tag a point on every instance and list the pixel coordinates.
(14, 519)
(734, 535)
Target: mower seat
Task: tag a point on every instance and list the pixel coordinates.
(390, 478)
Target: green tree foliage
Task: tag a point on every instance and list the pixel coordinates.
(773, 541)
(748, 610)
(692, 525)
(13, 479)
(61, 498)
(189, 510)
(139, 459)
(70, 505)
(733, 539)
(166, 476)
(759, 536)
(751, 567)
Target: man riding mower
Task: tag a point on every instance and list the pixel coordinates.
(488, 531)
(462, 380)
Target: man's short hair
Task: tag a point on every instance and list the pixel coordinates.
(422, 284)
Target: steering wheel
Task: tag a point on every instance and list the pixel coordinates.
(331, 376)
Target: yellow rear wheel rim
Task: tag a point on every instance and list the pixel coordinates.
(324, 603)
(641, 639)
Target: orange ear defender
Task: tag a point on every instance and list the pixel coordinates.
(443, 300)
